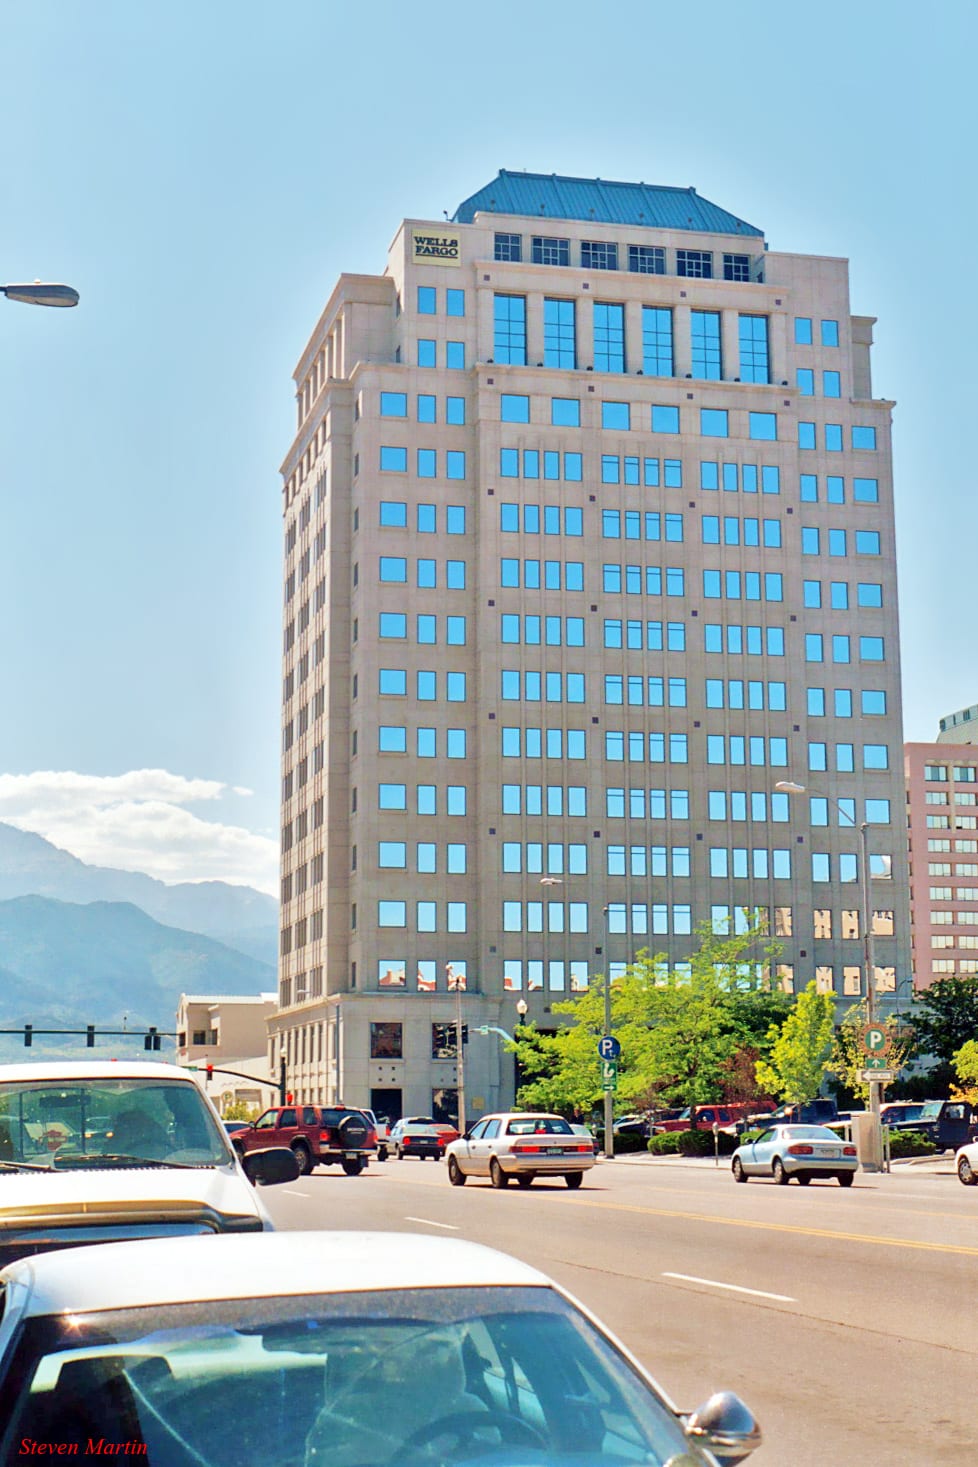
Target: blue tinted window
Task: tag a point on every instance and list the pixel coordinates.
(835, 489)
(559, 348)
(427, 520)
(809, 488)
(426, 353)
(547, 250)
(866, 491)
(873, 703)
(392, 797)
(427, 303)
(806, 382)
(393, 568)
(514, 407)
(455, 463)
(616, 415)
(839, 593)
(837, 542)
(657, 359)
(871, 649)
(753, 348)
(831, 384)
(509, 463)
(867, 542)
(393, 513)
(427, 459)
(455, 519)
(455, 410)
(508, 247)
(863, 437)
(394, 460)
(427, 687)
(812, 594)
(830, 333)
(392, 682)
(455, 302)
(427, 407)
(455, 355)
(714, 423)
(393, 625)
(427, 629)
(869, 593)
(509, 329)
(809, 540)
(803, 330)
(763, 426)
(609, 337)
(665, 419)
(393, 404)
(598, 254)
(565, 412)
(705, 336)
(833, 437)
(427, 574)
(647, 259)
(806, 435)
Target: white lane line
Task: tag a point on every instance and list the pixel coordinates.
(290, 1192)
(430, 1223)
(689, 1278)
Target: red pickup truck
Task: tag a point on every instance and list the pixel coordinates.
(702, 1117)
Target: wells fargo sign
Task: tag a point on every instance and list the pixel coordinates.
(436, 248)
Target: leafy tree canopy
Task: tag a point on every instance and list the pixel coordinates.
(800, 1049)
(945, 1016)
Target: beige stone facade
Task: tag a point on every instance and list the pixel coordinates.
(228, 1030)
(556, 624)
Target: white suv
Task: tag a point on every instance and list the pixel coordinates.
(523, 1145)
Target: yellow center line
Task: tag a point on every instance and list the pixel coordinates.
(773, 1227)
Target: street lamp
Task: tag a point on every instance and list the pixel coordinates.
(609, 1099)
(38, 294)
(521, 1008)
(789, 787)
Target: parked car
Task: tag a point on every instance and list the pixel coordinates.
(100, 1151)
(949, 1124)
(701, 1117)
(232, 1126)
(783, 1152)
(523, 1145)
(818, 1112)
(966, 1164)
(582, 1130)
(327, 1349)
(317, 1135)
(382, 1131)
(901, 1110)
(633, 1126)
(418, 1136)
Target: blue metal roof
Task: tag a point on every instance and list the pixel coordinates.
(550, 196)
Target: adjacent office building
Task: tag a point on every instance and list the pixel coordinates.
(942, 827)
(589, 546)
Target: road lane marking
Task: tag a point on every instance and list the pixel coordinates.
(429, 1222)
(290, 1192)
(773, 1227)
(690, 1278)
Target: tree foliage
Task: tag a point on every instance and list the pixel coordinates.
(801, 1049)
(848, 1056)
(945, 1017)
(966, 1069)
(681, 1029)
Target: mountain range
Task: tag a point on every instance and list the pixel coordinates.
(82, 944)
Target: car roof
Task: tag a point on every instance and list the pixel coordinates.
(258, 1265)
(107, 1069)
(521, 1115)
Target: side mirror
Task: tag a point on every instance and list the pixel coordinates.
(726, 1427)
(268, 1167)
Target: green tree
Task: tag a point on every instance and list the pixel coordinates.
(800, 1049)
(681, 1029)
(966, 1067)
(945, 1016)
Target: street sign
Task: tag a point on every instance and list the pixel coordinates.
(882, 1076)
(609, 1047)
(876, 1062)
(609, 1076)
(876, 1041)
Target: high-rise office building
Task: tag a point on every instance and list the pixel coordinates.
(942, 829)
(589, 546)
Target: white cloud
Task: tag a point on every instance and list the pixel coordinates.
(139, 822)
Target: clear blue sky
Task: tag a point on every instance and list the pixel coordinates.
(203, 171)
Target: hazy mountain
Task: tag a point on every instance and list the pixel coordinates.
(237, 916)
(64, 966)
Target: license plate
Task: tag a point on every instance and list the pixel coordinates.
(831, 1153)
(555, 1151)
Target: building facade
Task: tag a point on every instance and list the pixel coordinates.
(228, 1030)
(942, 828)
(589, 546)
(960, 727)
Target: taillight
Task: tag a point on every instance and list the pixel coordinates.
(324, 1138)
(849, 1151)
(799, 1150)
(524, 1147)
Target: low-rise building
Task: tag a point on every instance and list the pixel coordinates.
(229, 1032)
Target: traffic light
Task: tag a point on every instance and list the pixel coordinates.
(209, 1072)
(90, 1036)
(465, 1033)
(28, 1035)
(152, 1039)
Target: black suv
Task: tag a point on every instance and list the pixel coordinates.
(319, 1135)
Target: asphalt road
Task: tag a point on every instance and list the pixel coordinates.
(846, 1319)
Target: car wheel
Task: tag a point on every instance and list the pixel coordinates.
(382, 1154)
(302, 1156)
(846, 1179)
(497, 1176)
(400, 1154)
(739, 1175)
(803, 1179)
(573, 1180)
(966, 1173)
(779, 1173)
(455, 1173)
(353, 1165)
(524, 1179)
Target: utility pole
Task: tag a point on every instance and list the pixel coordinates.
(460, 1055)
(609, 1099)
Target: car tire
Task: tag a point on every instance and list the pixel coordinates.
(846, 1179)
(803, 1179)
(778, 1172)
(303, 1157)
(497, 1176)
(353, 1165)
(455, 1173)
(739, 1175)
(573, 1180)
(524, 1179)
(382, 1154)
(400, 1154)
(966, 1173)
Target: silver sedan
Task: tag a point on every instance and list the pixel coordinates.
(523, 1145)
(783, 1152)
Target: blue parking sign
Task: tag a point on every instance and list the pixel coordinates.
(608, 1047)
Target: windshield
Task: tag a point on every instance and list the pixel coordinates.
(67, 1124)
(421, 1376)
(932, 1109)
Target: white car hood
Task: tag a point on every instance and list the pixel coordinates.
(116, 1197)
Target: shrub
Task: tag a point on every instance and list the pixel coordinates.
(665, 1144)
(910, 1143)
(691, 1143)
(628, 1142)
